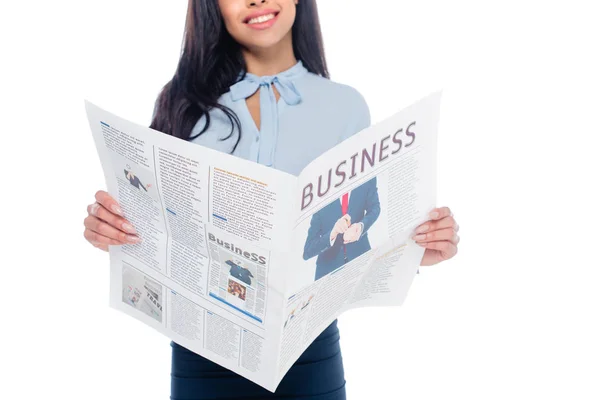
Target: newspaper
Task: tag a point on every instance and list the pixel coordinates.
(246, 265)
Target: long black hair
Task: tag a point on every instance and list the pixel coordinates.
(211, 61)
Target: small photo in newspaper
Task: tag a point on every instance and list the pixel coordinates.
(236, 290)
(241, 270)
(142, 293)
(134, 179)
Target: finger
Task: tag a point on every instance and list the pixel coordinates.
(102, 213)
(94, 237)
(108, 202)
(100, 227)
(439, 213)
(348, 219)
(350, 236)
(338, 231)
(350, 240)
(446, 248)
(92, 209)
(432, 225)
(342, 227)
(440, 234)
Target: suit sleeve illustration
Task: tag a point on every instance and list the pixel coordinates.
(318, 238)
(372, 208)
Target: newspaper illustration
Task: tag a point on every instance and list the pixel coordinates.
(246, 265)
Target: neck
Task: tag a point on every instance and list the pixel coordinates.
(272, 60)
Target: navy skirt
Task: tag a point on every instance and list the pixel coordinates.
(317, 375)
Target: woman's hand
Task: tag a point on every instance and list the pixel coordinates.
(105, 224)
(438, 236)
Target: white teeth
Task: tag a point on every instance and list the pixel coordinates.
(262, 18)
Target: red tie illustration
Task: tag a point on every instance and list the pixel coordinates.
(344, 212)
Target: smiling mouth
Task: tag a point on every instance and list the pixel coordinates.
(262, 18)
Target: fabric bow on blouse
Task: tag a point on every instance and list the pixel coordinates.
(266, 139)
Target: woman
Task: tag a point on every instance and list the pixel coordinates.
(252, 81)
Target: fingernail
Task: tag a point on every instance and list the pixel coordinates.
(434, 214)
(94, 208)
(133, 239)
(422, 243)
(423, 228)
(116, 209)
(420, 237)
(128, 227)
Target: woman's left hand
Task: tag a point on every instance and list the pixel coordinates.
(438, 236)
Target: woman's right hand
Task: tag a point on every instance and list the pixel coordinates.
(105, 224)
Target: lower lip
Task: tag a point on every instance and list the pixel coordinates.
(264, 25)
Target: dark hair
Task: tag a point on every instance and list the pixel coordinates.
(211, 61)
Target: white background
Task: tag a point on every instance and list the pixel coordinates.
(514, 315)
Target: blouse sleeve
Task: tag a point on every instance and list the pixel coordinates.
(357, 113)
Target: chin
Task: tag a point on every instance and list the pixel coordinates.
(264, 43)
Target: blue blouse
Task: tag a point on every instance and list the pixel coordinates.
(312, 115)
